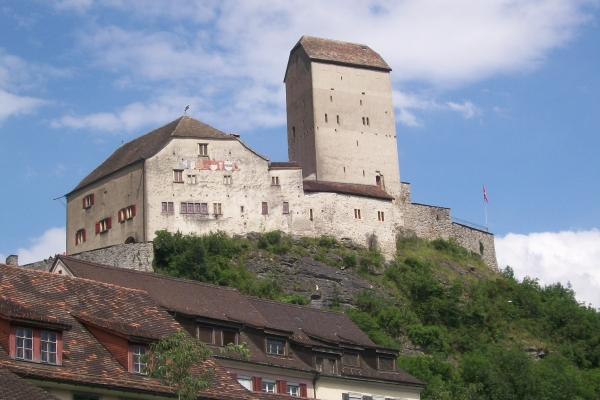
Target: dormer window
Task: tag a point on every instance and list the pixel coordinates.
(351, 359)
(386, 363)
(36, 345)
(328, 365)
(228, 337)
(137, 363)
(275, 346)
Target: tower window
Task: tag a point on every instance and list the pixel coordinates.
(331, 98)
(368, 121)
(310, 214)
(357, 213)
(337, 118)
(265, 207)
(293, 131)
(361, 102)
(380, 216)
(364, 121)
(325, 117)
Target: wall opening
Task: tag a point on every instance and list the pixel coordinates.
(130, 240)
(325, 117)
(337, 117)
(331, 98)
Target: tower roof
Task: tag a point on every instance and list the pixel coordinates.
(151, 143)
(337, 52)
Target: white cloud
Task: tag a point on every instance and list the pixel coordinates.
(231, 55)
(48, 244)
(407, 103)
(11, 104)
(78, 5)
(567, 256)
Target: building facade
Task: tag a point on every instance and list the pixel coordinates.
(342, 179)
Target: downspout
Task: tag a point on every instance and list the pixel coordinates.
(315, 379)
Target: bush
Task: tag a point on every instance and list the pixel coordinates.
(328, 242)
(295, 298)
(350, 260)
(273, 237)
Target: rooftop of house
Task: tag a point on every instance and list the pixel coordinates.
(151, 143)
(13, 387)
(371, 191)
(77, 307)
(338, 52)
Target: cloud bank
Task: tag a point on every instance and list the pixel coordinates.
(230, 56)
(568, 256)
(48, 244)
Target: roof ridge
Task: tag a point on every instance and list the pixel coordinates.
(154, 274)
(333, 40)
(296, 305)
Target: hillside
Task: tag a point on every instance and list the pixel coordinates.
(467, 332)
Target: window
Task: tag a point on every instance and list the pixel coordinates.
(241, 209)
(80, 236)
(293, 131)
(203, 208)
(227, 180)
(357, 213)
(88, 201)
(36, 345)
(265, 207)
(275, 181)
(380, 216)
(325, 117)
(386, 363)
(85, 397)
(178, 175)
(351, 359)
(104, 225)
(310, 214)
(48, 347)
(268, 387)
(167, 207)
(286, 207)
(126, 213)
(205, 335)
(25, 344)
(245, 381)
(293, 389)
(331, 366)
(138, 363)
(217, 209)
(337, 117)
(319, 364)
(202, 149)
(229, 337)
(191, 179)
(183, 209)
(364, 122)
(368, 121)
(328, 365)
(275, 346)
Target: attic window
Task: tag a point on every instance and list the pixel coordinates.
(228, 337)
(351, 359)
(205, 334)
(202, 149)
(37, 345)
(275, 346)
(362, 46)
(386, 363)
(137, 363)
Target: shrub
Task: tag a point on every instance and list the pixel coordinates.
(350, 260)
(273, 237)
(295, 298)
(328, 242)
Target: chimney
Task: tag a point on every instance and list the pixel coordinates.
(12, 260)
(237, 135)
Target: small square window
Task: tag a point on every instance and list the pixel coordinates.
(275, 181)
(275, 346)
(227, 180)
(126, 213)
(245, 381)
(191, 179)
(286, 207)
(380, 216)
(268, 387)
(293, 390)
(357, 213)
(167, 207)
(386, 363)
(217, 209)
(265, 207)
(80, 236)
(88, 201)
(25, 344)
(178, 175)
(202, 149)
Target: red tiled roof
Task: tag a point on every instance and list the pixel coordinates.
(151, 143)
(338, 52)
(14, 388)
(174, 294)
(347, 188)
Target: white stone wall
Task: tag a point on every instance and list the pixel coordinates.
(138, 256)
(471, 238)
(251, 185)
(428, 222)
(333, 215)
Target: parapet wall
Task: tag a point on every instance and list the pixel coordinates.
(138, 256)
(476, 241)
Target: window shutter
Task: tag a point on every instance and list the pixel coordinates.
(133, 210)
(76, 235)
(92, 199)
(257, 383)
(281, 387)
(345, 396)
(303, 391)
(97, 227)
(109, 223)
(83, 202)
(84, 235)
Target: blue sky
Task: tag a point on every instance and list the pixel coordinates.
(501, 92)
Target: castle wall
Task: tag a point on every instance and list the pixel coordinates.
(334, 215)
(473, 239)
(428, 222)
(111, 193)
(205, 182)
(138, 256)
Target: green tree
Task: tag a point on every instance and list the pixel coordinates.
(175, 360)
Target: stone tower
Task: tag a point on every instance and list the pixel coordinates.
(340, 114)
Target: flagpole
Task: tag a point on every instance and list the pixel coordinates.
(487, 228)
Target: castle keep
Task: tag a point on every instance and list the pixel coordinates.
(342, 178)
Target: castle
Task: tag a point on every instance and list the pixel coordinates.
(342, 178)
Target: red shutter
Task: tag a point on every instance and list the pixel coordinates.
(281, 387)
(109, 223)
(257, 383)
(234, 376)
(97, 227)
(76, 234)
(119, 215)
(303, 391)
(92, 199)
(83, 201)
(84, 235)
(133, 210)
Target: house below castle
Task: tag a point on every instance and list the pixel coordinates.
(342, 179)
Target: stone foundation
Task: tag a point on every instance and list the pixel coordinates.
(138, 256)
